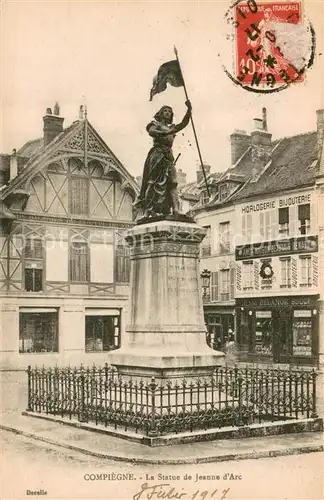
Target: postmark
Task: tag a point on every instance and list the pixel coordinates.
(273, 44)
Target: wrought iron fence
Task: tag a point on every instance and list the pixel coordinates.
(231, 396)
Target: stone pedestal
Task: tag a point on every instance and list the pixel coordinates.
(166, 333)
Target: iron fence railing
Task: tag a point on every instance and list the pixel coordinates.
(231, 396)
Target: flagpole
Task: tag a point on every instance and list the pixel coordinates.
(192, 124)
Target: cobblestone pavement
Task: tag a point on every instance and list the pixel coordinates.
(36, 466)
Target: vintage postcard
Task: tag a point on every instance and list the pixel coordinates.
(162, 250)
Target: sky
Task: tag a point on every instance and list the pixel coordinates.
(109, 52)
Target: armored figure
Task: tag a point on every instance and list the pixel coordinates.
(158, 194)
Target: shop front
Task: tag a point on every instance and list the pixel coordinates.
(278, 329)
(220, 323)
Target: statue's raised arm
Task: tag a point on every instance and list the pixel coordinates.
(158, 194)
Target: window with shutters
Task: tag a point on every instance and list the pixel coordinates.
(122, 264)
(232, 284)
(268, 229)
(304, 218)
(214, 287)
(247, 275)
(33, 269)
(283, 216)
(206, 243)
(79, 261)
(38, 332)
(285, 264)
(79, 195)
(225, 284)
(224, 237)
(247, 227)
(305, 262)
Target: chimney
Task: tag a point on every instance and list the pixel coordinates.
(56, 109)
(200, 173)
(13, 165)
(261, 144)
(182, 177)
(320, 139)
(53, 124)
(240, 141)
(81, 112)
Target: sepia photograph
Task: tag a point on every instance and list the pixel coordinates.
(162, 249)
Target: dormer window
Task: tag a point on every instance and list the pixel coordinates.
(223, 192)
(204, 197)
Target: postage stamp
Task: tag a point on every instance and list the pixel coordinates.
(274, 44)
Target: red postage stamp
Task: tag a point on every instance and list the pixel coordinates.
(273, 45)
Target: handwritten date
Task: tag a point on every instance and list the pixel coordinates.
(166, 491)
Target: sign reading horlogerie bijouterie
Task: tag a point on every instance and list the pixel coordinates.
(280, 203)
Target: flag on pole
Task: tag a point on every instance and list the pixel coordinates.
(169, 72)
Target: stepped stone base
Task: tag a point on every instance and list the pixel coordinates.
(166, 334)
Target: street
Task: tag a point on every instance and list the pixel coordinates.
(59, 473)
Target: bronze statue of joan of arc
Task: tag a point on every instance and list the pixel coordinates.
(158, 194)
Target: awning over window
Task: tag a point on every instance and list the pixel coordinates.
(102, 312)
(37, 310)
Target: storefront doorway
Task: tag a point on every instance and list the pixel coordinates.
(278, 329)
(219, 328)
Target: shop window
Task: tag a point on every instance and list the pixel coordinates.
(285, 264)
(79, 195)
(79, 261)
(102, 333)
(263, 332)
(206, 243)
(225, 284)
(305, 262)
(247, 275)
(302, 333)
(283, 214)
(304, 218)
(38, 332)
(224, 237)
(122, 264)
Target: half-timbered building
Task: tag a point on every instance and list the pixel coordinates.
(65, 201)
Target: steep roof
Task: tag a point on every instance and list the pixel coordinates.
(31, 147)
(38, 154)
(293, 165)
(189, 191)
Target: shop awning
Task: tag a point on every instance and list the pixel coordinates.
(102, 312)
(37, 310)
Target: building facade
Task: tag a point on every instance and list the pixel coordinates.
(65, 201)
(270, 197)
(218, 257)
(277, 278)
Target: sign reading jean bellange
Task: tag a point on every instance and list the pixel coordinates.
(277, 247)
